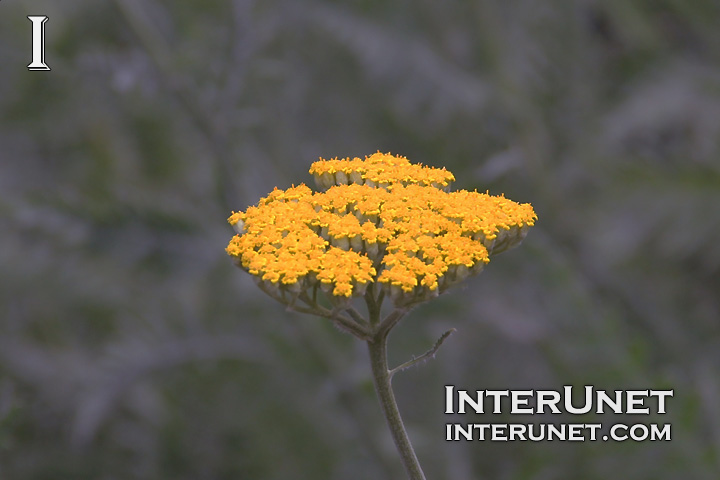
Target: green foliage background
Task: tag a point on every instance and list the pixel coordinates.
(131, 348)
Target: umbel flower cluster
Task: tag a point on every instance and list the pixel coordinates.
(379, 222)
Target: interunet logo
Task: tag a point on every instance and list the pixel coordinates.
(530, 402)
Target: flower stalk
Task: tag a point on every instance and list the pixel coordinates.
(382, 378)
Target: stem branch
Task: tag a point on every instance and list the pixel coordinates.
(429, 354)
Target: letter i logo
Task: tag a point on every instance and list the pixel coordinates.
(38, 43)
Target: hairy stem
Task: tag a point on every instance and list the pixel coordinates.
(381, 376)
(429, 354)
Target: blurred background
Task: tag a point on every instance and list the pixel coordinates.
(131, 348)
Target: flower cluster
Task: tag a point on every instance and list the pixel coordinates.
(381, 220)
(379, 169)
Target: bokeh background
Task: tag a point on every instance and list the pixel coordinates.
(131, 348)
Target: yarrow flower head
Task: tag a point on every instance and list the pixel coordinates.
(382, 222)
(380, 228)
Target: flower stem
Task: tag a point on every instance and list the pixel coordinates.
(381, 376)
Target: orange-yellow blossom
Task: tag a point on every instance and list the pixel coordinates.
(380, 220)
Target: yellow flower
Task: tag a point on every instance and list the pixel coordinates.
(379, 169)
(381, 220)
